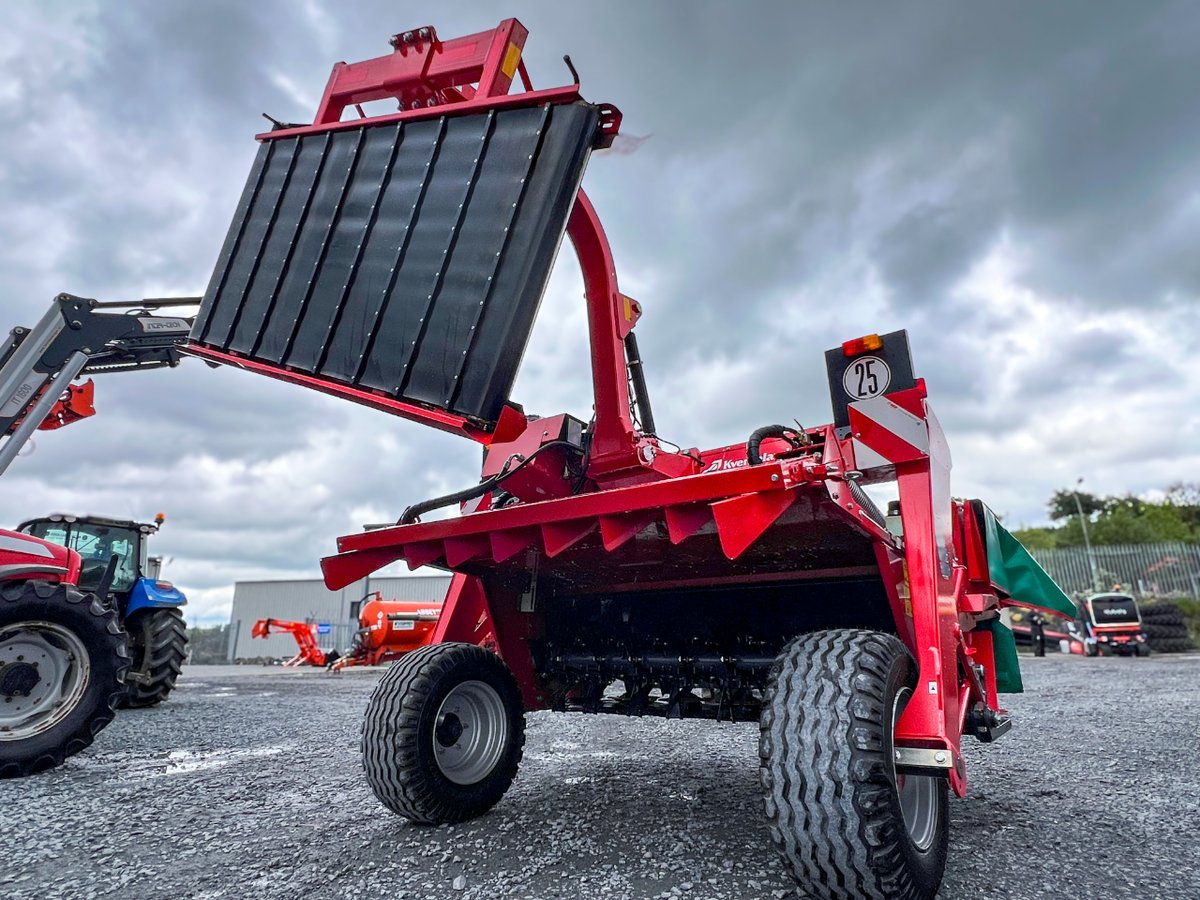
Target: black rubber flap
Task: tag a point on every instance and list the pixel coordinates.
(408, 258)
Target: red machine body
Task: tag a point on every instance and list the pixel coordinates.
(24, 558)
(393, 627)
(637, 516)
(594, 552)
(305, 634)
(387, 630)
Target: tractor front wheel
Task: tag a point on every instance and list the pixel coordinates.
(63, 657)
(844, 821)
(444, 733)
(159, 644)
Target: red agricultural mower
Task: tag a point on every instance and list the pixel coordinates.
(398, 261)
(387, 630)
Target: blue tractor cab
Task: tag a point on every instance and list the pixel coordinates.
(118, 568)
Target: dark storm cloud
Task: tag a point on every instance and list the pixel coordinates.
(927, 251)
(811, 172)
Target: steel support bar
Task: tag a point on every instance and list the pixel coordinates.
(14, 376)
(614, 443)
(38, 412)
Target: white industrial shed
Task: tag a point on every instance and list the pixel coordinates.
(335, 612)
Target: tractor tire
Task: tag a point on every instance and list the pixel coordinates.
(1172, 645)
(1162, 614)
(846, 824)
(1157, 630)
(444, 733)
(159, 643)
(63, 656)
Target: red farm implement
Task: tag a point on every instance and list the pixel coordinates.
(387, 629)
(398, 261)
(305, 633)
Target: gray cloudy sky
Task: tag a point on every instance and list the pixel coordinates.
(1016, 184)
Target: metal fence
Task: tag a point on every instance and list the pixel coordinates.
(1146, 570)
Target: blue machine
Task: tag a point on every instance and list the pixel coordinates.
(153, 593)
(118, 568)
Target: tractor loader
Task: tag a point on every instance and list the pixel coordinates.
(79, 637)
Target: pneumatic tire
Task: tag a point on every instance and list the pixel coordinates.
(845, 823)
(63, 657)
(444, 733)
(1172, 645)
(1162, 613)
(1158, 631)
(159, 643)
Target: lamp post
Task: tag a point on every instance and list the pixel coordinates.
(1087, 544)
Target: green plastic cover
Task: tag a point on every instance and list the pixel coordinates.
(1004, 651)
(1016, 573)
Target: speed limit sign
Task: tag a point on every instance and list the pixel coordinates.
(866, 377)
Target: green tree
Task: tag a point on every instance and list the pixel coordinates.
(1037, 538)
(1128, 520)
(1062, 504)
(1185, 496)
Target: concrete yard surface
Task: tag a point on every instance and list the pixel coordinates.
(247, 783)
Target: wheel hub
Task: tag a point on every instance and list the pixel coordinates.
(44, 672)
(18, 679)
(449, 730)
(470, 732)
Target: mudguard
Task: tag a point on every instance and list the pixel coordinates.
(147, 593)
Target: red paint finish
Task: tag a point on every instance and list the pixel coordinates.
(435, 418)
(423, 71)
(77, 402)
(640, 514)
(305, 633)
(26, 558)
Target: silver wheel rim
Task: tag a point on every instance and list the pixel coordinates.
(470, 732)
(918, 794)
(44, 672)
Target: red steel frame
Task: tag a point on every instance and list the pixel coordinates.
(305, 634)
(936, 581)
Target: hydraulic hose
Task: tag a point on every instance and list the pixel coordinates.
(753, 454)
(637, 375)
(417, 510)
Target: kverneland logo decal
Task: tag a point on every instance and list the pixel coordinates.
(724, 465)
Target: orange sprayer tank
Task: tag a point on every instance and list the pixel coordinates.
(397, 626)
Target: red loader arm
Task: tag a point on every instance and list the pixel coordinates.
(305, 634)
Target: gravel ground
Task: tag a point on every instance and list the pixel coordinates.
(247, 784)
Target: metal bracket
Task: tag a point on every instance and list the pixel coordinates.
(987, 725)
(923, 760)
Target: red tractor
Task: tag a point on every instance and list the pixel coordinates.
(398, 261)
